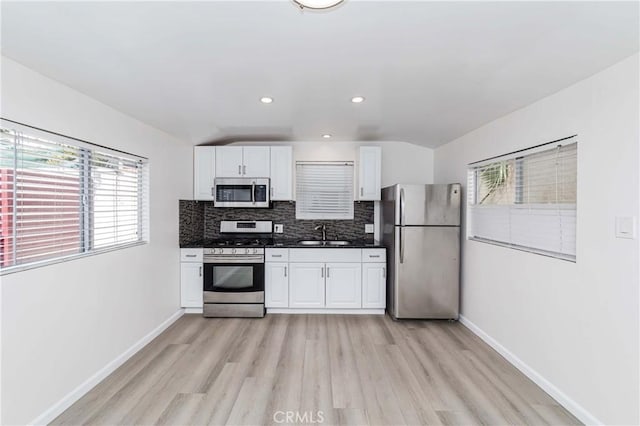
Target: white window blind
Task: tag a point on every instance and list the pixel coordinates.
(324, 190)
(60, 197)
(527, 200)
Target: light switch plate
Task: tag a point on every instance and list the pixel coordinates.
(626, 227)
(278, 229)
(368, 228)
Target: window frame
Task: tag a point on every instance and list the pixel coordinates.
(85, 151)
(519, 203)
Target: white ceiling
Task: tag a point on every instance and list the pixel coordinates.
(430, 71)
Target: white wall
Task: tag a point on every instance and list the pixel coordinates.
(574, 324)
(63, 323)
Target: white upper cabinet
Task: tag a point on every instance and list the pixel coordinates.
(229, 161)
(369, 174)
(242, 161)
(281, 173)
(255, 161)
(204, 167)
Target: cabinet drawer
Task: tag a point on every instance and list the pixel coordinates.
(276, 255)
(374, 255)
(343, 255)
(191, 255)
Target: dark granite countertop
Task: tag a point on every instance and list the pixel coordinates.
(290, 243)
(193, 244)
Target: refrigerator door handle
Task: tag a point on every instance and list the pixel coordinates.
(401, 244)
(402, 206)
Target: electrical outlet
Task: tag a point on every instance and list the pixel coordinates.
(368, 228)
(278, 229)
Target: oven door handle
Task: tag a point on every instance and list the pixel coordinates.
(233, 259)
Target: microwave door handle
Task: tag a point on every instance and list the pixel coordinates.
(253, 192)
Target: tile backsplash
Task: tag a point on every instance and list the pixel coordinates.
(200, 219)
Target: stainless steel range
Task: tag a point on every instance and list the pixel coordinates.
(234, 270)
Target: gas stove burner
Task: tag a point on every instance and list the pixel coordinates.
(239, 242)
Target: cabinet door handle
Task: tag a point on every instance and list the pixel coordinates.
(201, 271)
(322, 272)
(213, 193)
(374, 255)
(272, 192)
(328, 272)
(276, 255)
(189, 255)
(285, 271)
(361, 191)
(244, 170)
(384, 272)
(239, 169)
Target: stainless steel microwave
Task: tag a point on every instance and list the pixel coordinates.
(241, 192)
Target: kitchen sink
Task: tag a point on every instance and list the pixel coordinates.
(323, 243)
(338, 243)
(310, 242)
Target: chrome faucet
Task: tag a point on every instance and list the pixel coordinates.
(324, 231)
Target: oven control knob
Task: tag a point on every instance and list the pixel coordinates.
(247, 251)
(220, 251)
(255, 251)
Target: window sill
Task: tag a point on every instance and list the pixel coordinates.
(565, 257)
(25, 267)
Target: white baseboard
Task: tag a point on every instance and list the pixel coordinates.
(325, 311)
(193, 310)
(563, 399)
(56, 409)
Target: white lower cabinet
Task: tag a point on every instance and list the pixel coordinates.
(343, 285)
(191, 278)
(306, 286)
(276, 285)
(191, 285)
(374, 285)
(332, 280)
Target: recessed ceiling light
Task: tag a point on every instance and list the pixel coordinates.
(266, 100)
(357, 99)
(326, 136)
(317, 4)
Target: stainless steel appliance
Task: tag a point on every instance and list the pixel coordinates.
(421, 230)
(233, 280)
(241, 192)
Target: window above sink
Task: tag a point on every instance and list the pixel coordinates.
(324, 190)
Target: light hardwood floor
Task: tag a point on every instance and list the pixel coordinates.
(356, 370)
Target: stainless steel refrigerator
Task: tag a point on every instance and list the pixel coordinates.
(421, 230)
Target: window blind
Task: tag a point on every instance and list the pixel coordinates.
(527, 200)
(60, 197)
(324, 190)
